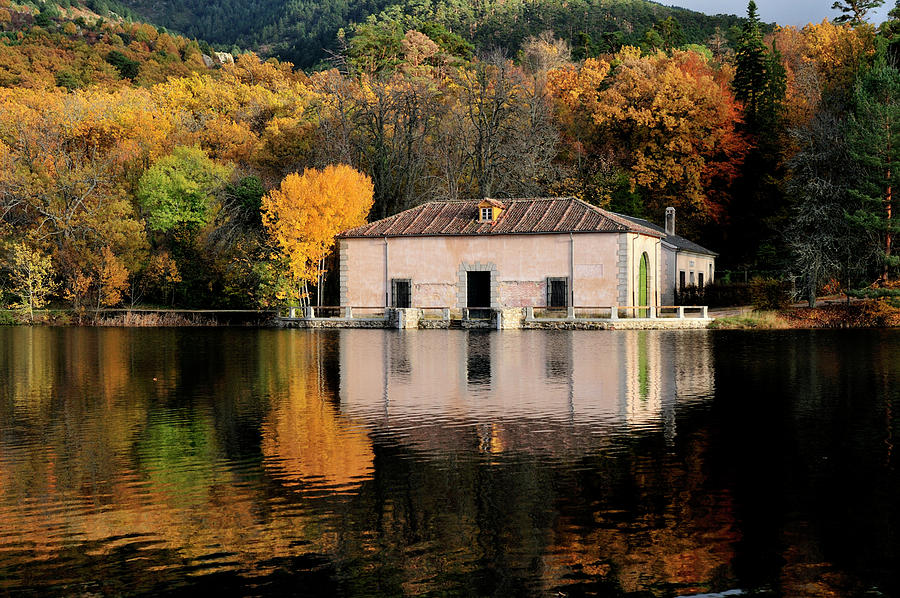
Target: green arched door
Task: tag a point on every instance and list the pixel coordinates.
(644, 285)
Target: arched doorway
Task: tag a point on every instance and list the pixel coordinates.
(644, 286)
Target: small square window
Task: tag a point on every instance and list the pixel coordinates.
(487, 214)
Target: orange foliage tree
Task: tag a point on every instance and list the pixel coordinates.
(303, 216)
(673, 115)
(112, 279)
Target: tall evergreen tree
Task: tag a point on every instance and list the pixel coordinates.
(890, 31)
(759, 78)
(873, 137)
(758, 210)
(854, 11)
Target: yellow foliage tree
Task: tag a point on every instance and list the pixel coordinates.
(32, 277)
(163, 273)
(818, 59)
(303, 216)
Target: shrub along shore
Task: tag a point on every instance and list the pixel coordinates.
(137, 318)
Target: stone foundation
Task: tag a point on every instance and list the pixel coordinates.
(621, 324)
(509, 319)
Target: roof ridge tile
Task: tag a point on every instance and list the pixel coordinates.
(539, 215)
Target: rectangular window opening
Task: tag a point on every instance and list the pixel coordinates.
(487, 214)
(401, 292)
(558, 292)
(681, 279)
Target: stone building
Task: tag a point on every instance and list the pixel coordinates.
(684, 263)
(545, 252)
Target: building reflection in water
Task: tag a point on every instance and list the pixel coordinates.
(591, 383)
(478, 358)
(562, 398)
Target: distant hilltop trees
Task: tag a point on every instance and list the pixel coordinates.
(305, 32)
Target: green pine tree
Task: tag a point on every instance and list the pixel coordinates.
(854, 11)
(873, 138)
(890, 31)
(759, 79)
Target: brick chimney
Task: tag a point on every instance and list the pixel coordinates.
(670, 221)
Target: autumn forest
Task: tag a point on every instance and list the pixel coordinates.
(138, 166)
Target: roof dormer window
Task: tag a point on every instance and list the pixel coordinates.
(489, 210)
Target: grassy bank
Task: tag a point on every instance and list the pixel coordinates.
(760, 320)
(879, 313)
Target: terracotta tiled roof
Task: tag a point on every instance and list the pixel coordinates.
(492, 202)
(520, 216)
(674, 240)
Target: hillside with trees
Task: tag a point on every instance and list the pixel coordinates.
(134, 168)
(73, 47)
(305, 32)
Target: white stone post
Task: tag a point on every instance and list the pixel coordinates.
(529, 313)
(293, 312)
(614, 312)
(680, 312)
(348, 312)
(704, 311)
(445, 314)
(570, 313)
(652, 312)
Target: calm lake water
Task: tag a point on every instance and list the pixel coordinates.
(447, 463)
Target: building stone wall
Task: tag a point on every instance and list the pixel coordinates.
(635, 246)
(432, 294)
(696, 263)
(516, 293)
(519, 266)
(667, 276)
(622, 269)
(676, 261)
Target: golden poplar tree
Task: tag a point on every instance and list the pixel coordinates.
(303, 216)
(32, 278)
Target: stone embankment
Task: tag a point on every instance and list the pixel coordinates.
(496, 319)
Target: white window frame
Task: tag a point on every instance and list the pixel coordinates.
(487, 214)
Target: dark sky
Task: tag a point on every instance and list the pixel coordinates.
(783, 12)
